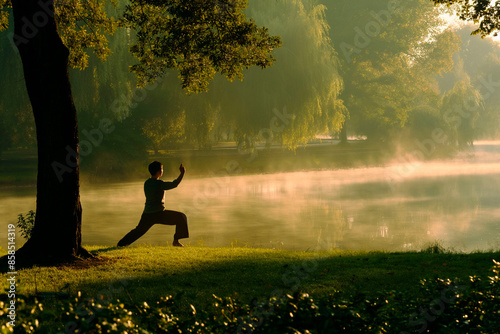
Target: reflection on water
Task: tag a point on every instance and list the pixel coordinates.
(454, 202)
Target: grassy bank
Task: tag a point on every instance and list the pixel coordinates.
(146, 273)
(354, 292)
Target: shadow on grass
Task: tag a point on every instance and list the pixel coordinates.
(261, 278)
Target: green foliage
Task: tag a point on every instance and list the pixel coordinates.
(201, 125)
(478, 60)
(389, 85)
(461, 107)
(460, 306)
(305, 84)
(4, 14)
(165, 132)
(199, 38)
(486, 13)
(299, 93)
(26, 224)
(389, 72)
(85, 25)
(82, 25)
(295, 99)
(442, 306)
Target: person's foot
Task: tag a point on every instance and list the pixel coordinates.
(176, 243)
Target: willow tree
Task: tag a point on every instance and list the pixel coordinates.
(461, 107)
(301, 94)
(294, 100)
(199, 38)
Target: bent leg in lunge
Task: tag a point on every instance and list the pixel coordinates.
(166, 217)
(144, 225)
(169, 217)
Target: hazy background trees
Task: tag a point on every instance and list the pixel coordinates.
(387, 71)
(392, 53)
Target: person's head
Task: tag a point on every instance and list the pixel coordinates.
(156, 169)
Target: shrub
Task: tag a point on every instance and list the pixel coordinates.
(434, 248)
(26, 224)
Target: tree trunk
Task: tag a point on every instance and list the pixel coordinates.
(343, 133)
(57, 232)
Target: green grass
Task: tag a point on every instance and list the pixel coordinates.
(145, 273)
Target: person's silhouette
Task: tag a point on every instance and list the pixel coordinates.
(154, 210)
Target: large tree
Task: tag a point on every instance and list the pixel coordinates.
(197, 37)
(45, 60)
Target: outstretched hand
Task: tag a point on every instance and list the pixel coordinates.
(182, 169)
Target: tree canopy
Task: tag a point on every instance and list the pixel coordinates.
(83, 26)
(198, 38)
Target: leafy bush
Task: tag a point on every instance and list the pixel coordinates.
(444, 306)
(26, 224)
(434, 248)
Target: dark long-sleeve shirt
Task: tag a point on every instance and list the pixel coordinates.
(154, 189)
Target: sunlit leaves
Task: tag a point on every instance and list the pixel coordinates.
(486, 13)
(437, 53)
(199, 38)
(83, 25)
(4, 15)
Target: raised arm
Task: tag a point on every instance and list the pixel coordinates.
(182, 169)
(170, 185)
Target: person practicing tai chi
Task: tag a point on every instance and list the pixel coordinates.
(154, 210)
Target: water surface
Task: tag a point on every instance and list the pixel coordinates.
(404, 206)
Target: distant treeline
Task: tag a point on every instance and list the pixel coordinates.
(389, 71)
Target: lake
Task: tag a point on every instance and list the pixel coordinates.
(402, 206)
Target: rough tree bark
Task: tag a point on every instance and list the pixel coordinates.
(57, 231)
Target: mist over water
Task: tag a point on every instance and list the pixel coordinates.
(455, 202)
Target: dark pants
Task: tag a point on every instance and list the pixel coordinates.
(165, 217)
